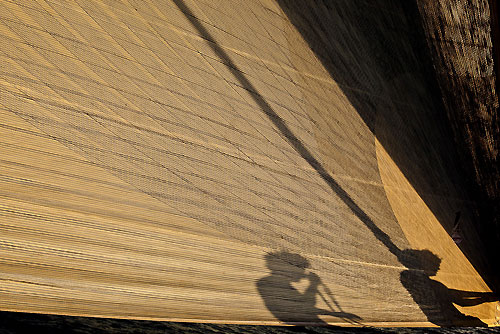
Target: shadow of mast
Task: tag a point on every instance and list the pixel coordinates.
(278, 122)
(419, 264)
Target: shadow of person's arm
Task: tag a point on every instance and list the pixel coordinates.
(314, 281)
(471, 298)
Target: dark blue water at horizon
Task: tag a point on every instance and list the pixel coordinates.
(11, 322)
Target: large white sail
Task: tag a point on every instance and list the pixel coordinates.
(199, 161)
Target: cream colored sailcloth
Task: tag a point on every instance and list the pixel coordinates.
(198, 161)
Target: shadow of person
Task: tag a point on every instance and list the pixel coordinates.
(286, 302)
(435, 299)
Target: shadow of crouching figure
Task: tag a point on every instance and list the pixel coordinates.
(433, 297)
(286, 302)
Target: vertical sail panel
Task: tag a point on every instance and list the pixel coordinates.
(160, 158)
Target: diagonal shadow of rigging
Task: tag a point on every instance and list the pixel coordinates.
(283, 128)
(419, 264)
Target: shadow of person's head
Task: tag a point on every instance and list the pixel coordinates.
(294, 305)
(289, 265)
(420, 259)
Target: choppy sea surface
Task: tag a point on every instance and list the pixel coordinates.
(37, 323)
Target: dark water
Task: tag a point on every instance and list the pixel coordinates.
(37, 323)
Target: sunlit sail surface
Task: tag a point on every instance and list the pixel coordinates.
(202, 161)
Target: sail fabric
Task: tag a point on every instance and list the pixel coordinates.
(199, 161)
